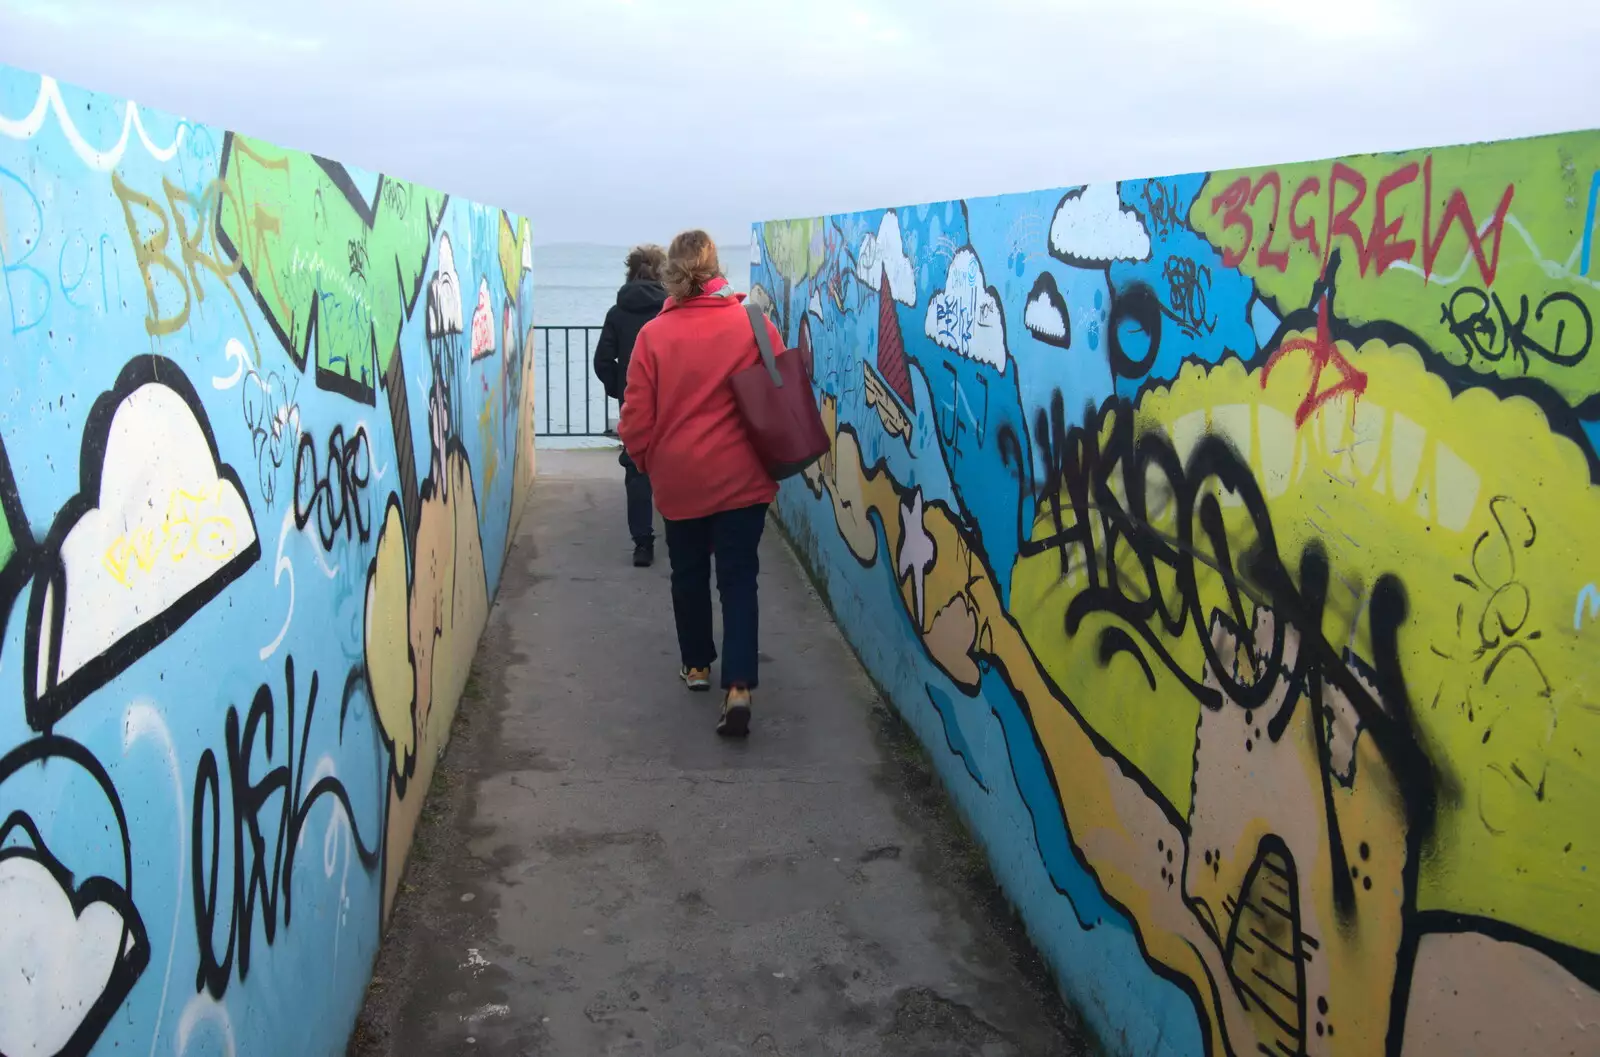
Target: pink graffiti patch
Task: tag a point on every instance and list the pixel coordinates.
(482, 325)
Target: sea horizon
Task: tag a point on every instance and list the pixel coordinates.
(575, 283)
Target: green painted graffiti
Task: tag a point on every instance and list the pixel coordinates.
(336, 273)
(516, 254)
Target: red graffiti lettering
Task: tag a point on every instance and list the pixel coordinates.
(1381, 244)
(1457, 211)
(1233, 199)
(1267, 258)
(1341, 221)
(1396, 226)
(1305, 232)
(1324, 354)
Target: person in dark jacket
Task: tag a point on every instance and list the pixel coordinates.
(638, 302)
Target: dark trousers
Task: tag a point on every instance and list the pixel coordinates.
(733, 539)
(641, 516)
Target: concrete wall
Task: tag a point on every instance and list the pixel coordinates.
(265, 433)
(1227, 540)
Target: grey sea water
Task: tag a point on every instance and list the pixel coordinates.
(573, 286)
(574, 283)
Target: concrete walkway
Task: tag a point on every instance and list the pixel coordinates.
(598, 873)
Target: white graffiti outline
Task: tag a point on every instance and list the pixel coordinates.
(143, 720)
(102, 161)
(378, 473)
(329, 572)
(234, 352)
(330, 850)
(1554, 270)
(284, 565)
(201, 1008)
(1551, 268)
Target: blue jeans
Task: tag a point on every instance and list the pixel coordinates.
(733, 538)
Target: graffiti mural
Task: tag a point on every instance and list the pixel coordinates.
(255, 496)
(1222, 537)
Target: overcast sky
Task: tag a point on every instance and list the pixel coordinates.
(618, 120)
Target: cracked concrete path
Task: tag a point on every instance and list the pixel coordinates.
(598, 873)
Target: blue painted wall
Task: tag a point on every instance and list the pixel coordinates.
(265, 433)
(1220, 536)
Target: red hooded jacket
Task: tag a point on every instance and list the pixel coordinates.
(679, 420)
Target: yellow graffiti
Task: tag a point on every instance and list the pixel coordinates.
(199, 248)
(1112, 818)
(894, 420)
(194, 527)
(390, 668)
(523, 460)
(513, 250)
(486, 432)
(1494, 668)
(1216, 834)
(1490, 657)
(419, 639)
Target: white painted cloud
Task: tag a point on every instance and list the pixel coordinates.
(1044, 318)
(483, 323)
(165, 523)
(1093, 227)
(814, 306)
(965, 317)
(884, 254)
(444, 293)
(525, 235)
(755, 251)
(55, 963)
(1046, 313)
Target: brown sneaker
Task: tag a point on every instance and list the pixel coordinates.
(735, 719)
(696, 679)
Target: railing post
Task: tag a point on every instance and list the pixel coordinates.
(569, 428)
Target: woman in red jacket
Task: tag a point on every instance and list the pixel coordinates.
(681, 426)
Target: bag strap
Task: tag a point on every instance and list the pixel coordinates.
(758, 323)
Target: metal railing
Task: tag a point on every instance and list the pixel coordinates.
(574, 403)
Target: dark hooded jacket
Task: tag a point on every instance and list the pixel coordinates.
(638, 302)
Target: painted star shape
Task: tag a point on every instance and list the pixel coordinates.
(916, 548)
